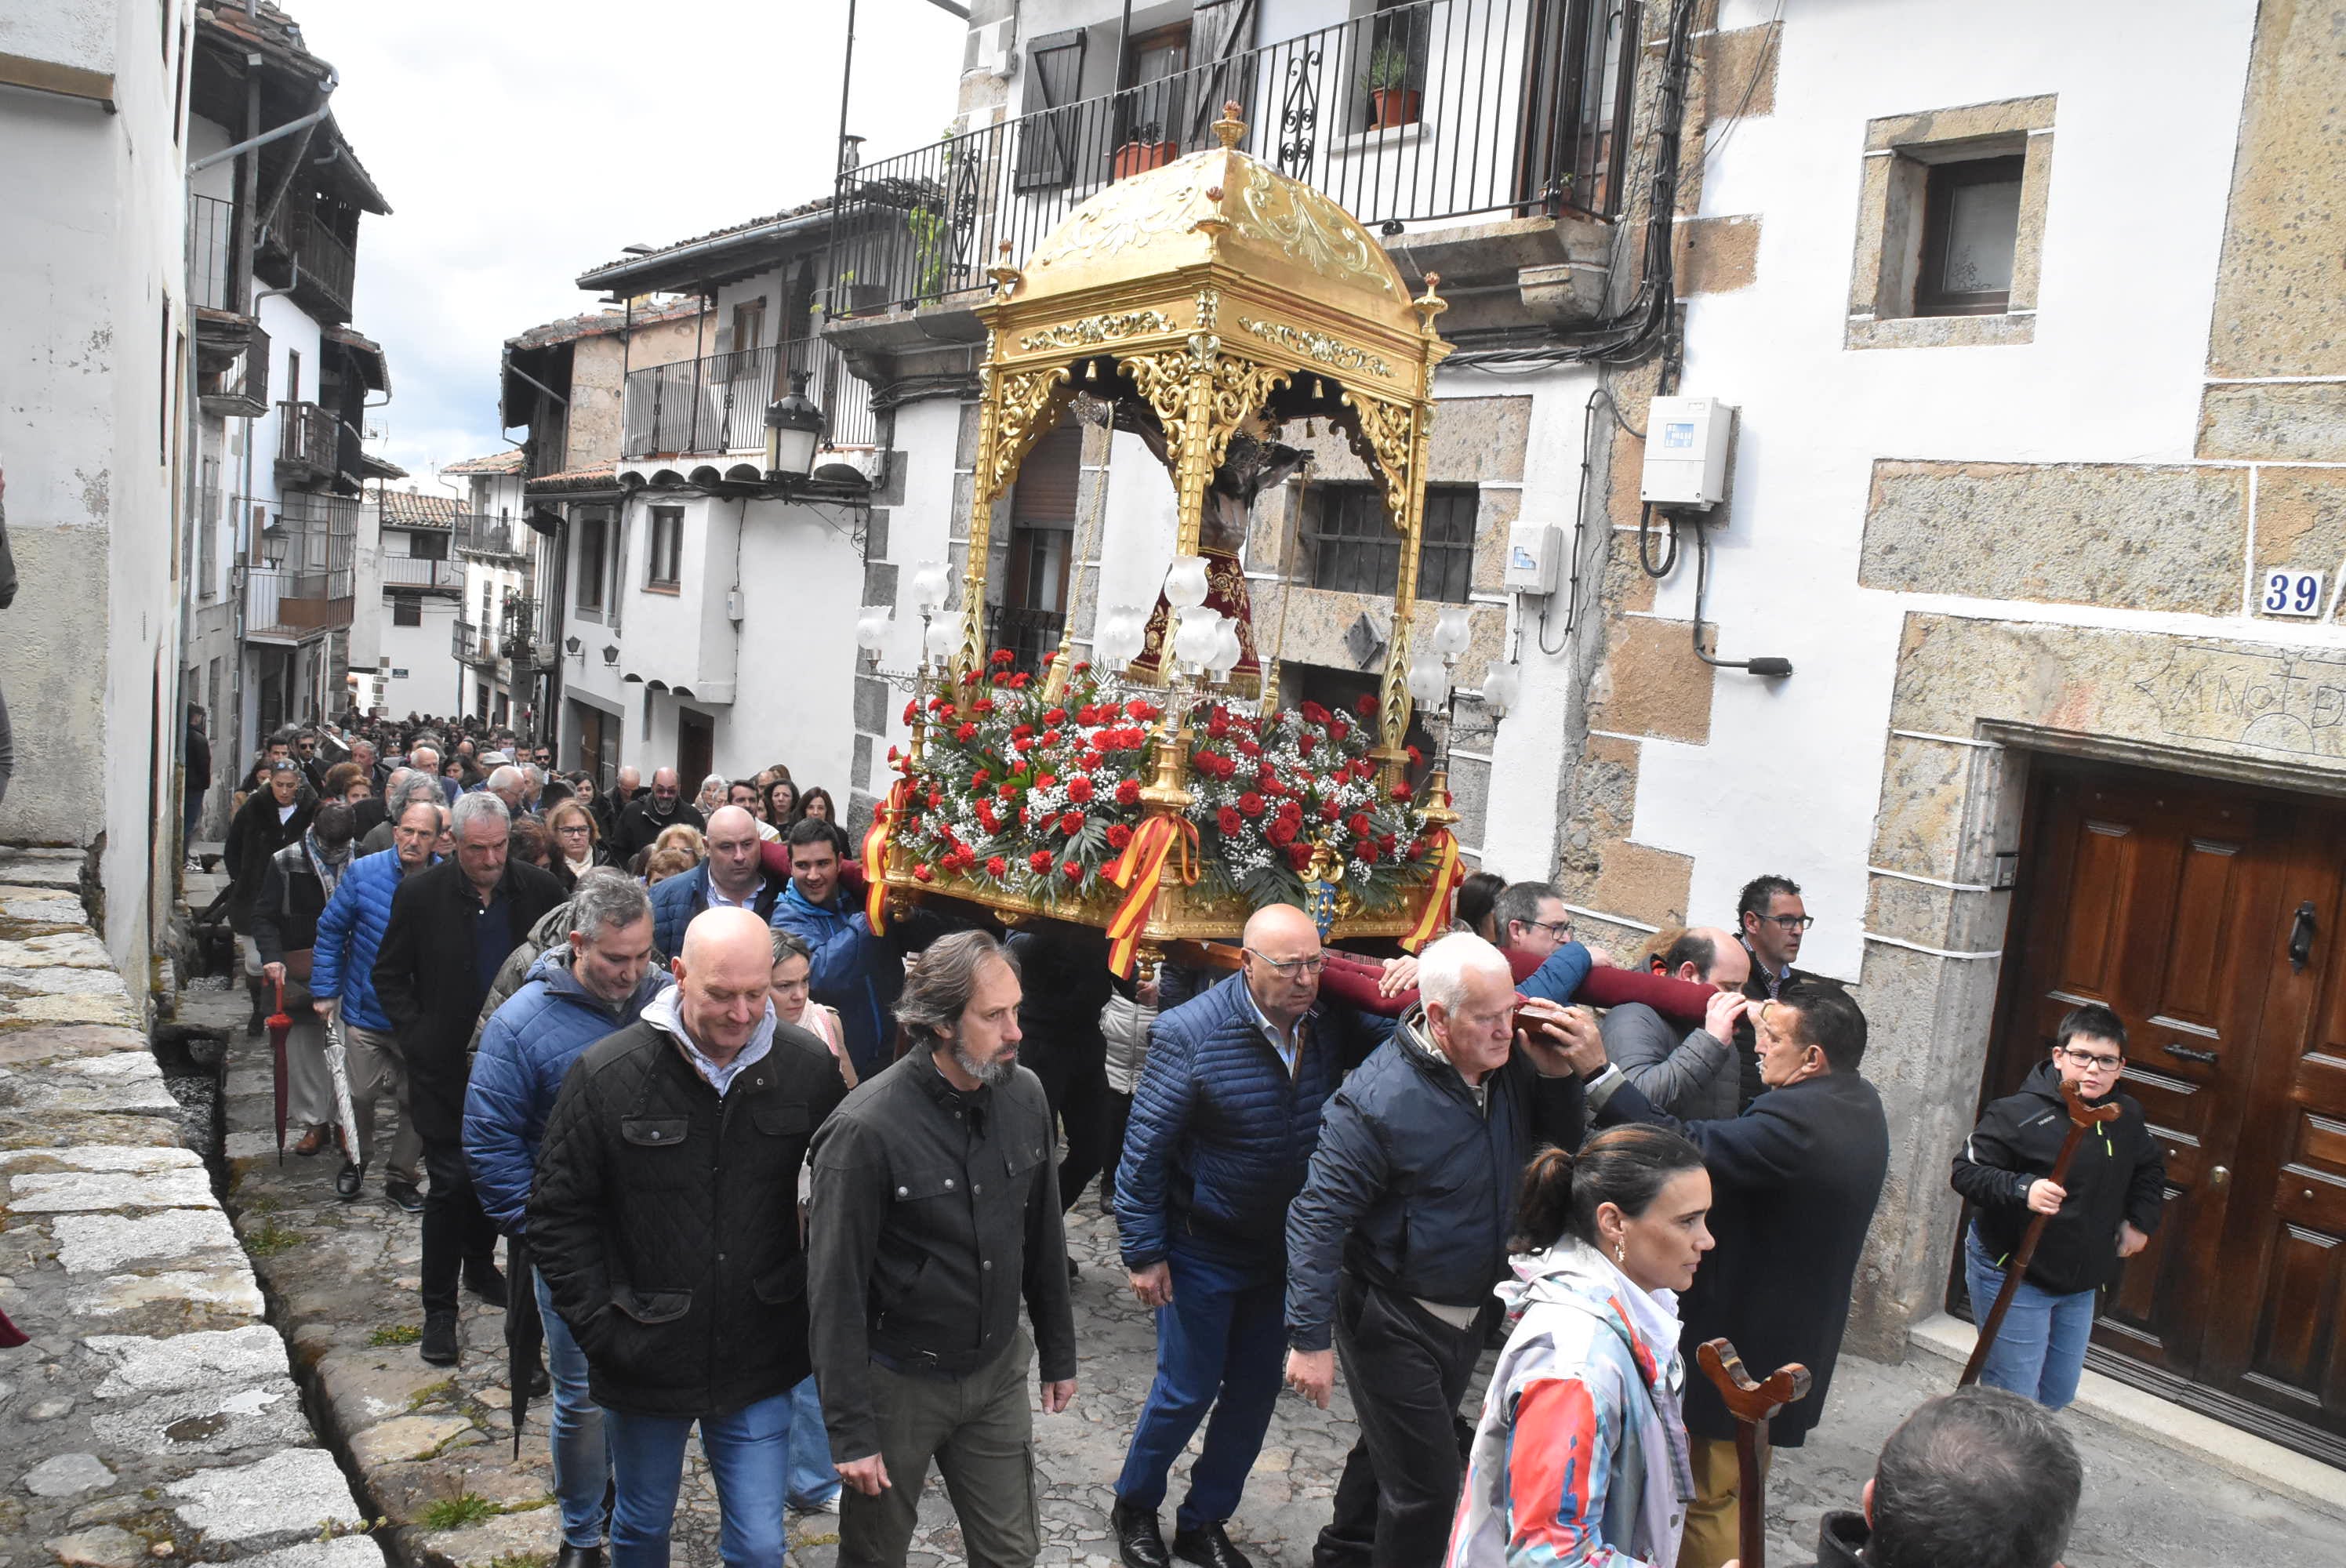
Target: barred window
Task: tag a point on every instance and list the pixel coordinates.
(1352, 550)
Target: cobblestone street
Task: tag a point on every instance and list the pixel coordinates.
(434, 1446)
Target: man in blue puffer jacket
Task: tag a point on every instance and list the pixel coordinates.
(341, 979)
(1224, 1119)
(577, 992)
(855, 974)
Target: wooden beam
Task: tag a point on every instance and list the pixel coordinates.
(65, 81)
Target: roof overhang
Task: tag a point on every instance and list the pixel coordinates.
(699, 263)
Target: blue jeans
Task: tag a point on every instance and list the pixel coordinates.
(749, 1454)
(582, 1464)
(1221, 1345)
(2040, 1350)
(814, 1480)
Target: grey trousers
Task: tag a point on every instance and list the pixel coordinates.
(309, 1081)
(378, 1067)
(980, 1430)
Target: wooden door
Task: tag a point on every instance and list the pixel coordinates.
(2171, 901)
(696, 747)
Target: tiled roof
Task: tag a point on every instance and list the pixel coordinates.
(269, 32)
(601, 476)
(413, 509)
(596, 323)
(820, 204)
(495, 462)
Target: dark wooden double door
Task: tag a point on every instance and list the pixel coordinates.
(2213, 919)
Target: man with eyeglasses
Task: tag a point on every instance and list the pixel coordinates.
(1796, 1179)
(1771, 920)
(650, 815)
(1532, 920)
(2108, 1210)
(1225, 1117)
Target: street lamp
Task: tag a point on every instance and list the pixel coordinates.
(793, 426)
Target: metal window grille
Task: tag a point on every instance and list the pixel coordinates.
(1354, 549)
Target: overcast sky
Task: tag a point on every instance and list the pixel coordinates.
(521, 142)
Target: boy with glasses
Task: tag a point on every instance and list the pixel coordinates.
(2106, 1211)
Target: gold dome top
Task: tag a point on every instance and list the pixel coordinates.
(1220, 204)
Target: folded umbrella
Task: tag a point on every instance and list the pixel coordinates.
(280, 1024)
(338, 1064)
(525, 1333)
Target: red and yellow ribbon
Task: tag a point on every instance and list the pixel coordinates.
(1435, 914)
(1140, 870)
(875, 856)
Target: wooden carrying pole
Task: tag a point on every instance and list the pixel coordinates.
(2081, 1117)
(1752, 1404)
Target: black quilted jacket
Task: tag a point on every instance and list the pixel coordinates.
(665, 1220)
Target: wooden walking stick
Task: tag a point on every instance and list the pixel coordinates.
(1752, 1404)
(2081, 1117)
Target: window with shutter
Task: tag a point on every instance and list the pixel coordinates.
(1221, 33)
(1046, 139)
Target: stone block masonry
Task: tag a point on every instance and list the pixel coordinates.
(154, 1415)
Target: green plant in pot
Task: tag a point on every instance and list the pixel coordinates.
(1392, 100)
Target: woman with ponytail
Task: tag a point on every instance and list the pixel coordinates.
(1581, 1453)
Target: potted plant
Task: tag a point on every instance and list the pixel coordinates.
(1392, 100)
(1145, 150)
(850, 298)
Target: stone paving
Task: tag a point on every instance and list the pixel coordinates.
(433, 1446)
(153, 1416)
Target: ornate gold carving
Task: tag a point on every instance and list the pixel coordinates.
(1317, 346)
(1020, 406)
(1310, 229)
(1381, 436)
(1129, 212)
(1240, 388)
(1209, 310)
(1105, 328)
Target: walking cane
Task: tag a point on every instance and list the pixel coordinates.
(1752, 1404)
(2081, 1117)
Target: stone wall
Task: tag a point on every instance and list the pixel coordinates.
(154, 1414)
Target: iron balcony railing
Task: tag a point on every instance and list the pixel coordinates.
(1440, 110)
(293, 602)
(417, 572)
(717, 403)
(211, 253)
(479, 535)
(1028, 634)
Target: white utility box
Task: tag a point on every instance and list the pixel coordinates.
(1534, 556)
(1686, 452)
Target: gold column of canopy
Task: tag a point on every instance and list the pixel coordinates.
(1205, 294)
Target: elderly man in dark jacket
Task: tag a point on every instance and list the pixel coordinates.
(1224, 1120)
(451, 928)
(270, 818)
(732, 876)
(1402, 1228)
(1795, 1179)
(935, 1210)
(666, 1223)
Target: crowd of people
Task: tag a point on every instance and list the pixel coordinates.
(801, 1184)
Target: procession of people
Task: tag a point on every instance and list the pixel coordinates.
(769, 1172)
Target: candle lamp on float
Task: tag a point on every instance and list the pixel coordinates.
(939, 642)
(1432, 673)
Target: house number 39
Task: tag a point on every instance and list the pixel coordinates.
(2291, 594)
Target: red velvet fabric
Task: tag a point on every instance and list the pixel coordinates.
(1353, 981)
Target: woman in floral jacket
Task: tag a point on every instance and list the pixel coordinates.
(1581, 1454)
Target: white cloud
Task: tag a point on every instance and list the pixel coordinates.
(521, 142)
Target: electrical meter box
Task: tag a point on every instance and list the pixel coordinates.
(1533, 553)
(1685, 452)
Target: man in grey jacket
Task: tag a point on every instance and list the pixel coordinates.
(1687, 1071)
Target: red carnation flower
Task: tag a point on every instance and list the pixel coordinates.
(1229, 822)
(1329, 809)
(936, 799)
(1367, 704)
(1007, 789)
(1315, 714)
(977, 780)
(1018, 682)
(1071, 822)
(1044, 780)
(1338, 729)
(1252, 804)
(1119, 835)
(1000, 678)
(969, 677)
(1073, 870)
(1050, 738)
(1022, 742)
(1057, 715)
(1401, 791)
(1001, 656)
(910, 709)
(1138, 710)
(1040, 861)
(1127, 792)
(1305, 741)
(1417, 758)
(923, 874)
(1089, 760)
(965, 733)
(982, 705)
(996, 866)
(1079, 791)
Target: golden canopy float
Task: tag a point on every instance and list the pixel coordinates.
(1156, 790)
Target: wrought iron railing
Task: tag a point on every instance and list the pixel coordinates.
(290, 601)
(1441, 110)
(211, 253)
(718, 404)
(418, 572)
(1028, 634)
(308, 436)
(479, 535)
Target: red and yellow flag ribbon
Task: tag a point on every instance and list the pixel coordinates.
(1435, 912)
(1139, 871)
(875, 856)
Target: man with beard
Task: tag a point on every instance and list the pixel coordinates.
(650, 815)
(936, 1208)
